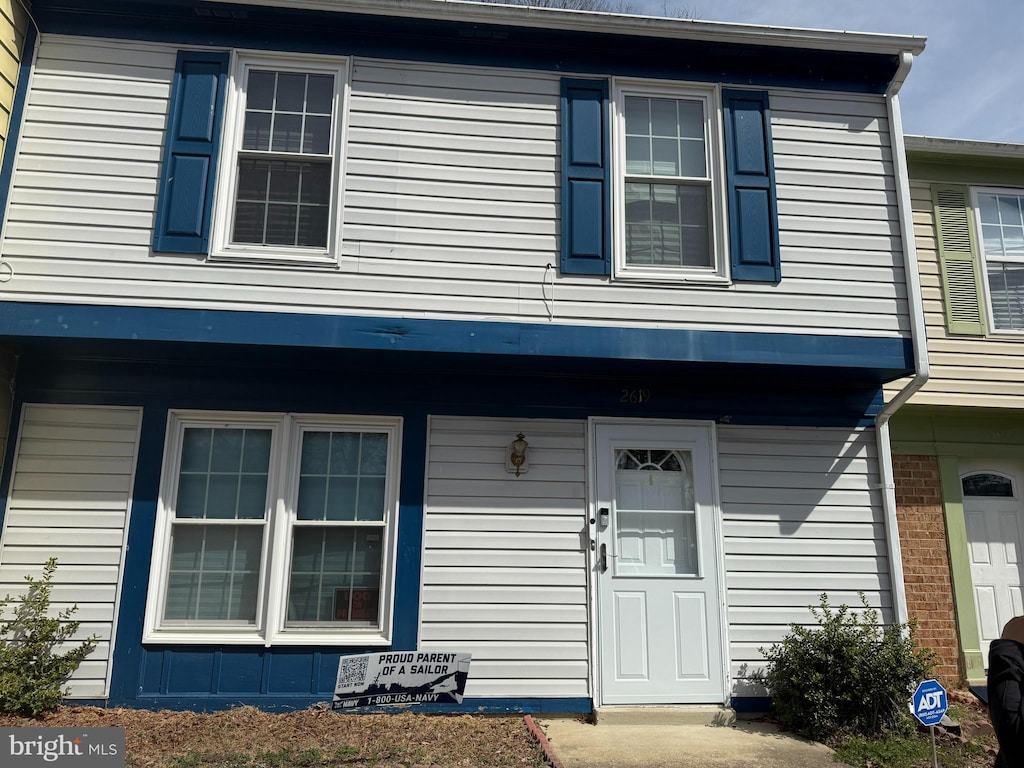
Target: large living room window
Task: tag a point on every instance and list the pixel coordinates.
(275, 528)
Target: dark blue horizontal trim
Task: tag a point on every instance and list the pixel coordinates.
(751, 704)
(567, 706)
(198, 23)
(894, 356)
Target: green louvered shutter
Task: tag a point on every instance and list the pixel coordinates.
(958, 260)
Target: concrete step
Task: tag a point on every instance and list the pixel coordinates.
(696, 714)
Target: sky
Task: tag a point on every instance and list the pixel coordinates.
(968, 83)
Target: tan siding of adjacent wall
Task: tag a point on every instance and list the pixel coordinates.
(983, 371)
(926, 572)
(13, 21)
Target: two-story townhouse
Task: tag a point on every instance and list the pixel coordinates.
(556, 338)
(958, 443)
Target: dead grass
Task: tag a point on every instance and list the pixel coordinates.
(314, 738)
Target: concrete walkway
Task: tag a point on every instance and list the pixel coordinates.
(616, 744)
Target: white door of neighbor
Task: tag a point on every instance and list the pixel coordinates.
(993, 514)
(660, 596)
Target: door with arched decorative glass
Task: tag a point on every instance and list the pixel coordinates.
(993, 514)
(659, 565)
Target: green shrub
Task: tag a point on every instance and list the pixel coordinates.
(847, 676)
(32, 668)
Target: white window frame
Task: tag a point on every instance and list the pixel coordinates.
(282, 492)
(710, 97)
(222, 249)
(983, 257)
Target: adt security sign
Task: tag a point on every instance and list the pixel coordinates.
(929, 702)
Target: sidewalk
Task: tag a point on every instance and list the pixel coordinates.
(747, 744)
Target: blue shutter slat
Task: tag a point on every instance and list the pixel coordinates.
(185, 198)
(750, 173)
(586, 220)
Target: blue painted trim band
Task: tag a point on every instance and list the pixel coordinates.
(68, 321)
(17, 112)
(751, 704)
(567, 706)
(8, 465)
(441, 40)
(128, 656)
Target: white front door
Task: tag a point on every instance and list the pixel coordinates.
(993, 514)
(660, 600)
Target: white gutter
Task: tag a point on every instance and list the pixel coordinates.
(612, 23)
(963, 147)
(918, 335)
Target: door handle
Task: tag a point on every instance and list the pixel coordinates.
(602, 561)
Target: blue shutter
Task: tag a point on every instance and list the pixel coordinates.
(586, 206)
(753, 215)
(185, 197)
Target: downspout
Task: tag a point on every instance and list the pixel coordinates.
(918, 335)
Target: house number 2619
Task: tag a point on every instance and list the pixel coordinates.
(634, 396)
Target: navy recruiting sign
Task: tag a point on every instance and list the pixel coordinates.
(929, 702)
(401, 677)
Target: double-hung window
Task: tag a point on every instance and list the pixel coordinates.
(275, 529)
(1001, 224)
(278, 196)
(668, 186)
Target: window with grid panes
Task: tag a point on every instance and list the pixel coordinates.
(667, 181)
(275, 528)
(279, 195)
(1001, 216)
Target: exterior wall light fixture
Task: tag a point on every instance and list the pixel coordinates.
(517, 456)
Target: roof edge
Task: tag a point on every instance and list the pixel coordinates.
(962, 147)
(614, 23)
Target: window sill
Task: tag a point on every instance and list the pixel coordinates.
(275, 258)
(659, 277)
(201, 636)
(289, 638)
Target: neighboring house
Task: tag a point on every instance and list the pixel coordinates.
(958, 444)
(289, 279)
(13, 26)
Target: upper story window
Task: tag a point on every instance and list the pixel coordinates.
(667, 182)
(279, 186)
(275, 529)
(1001, 218)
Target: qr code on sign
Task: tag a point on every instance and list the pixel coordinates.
(352, 671)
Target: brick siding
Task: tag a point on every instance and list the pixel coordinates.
(926, 561)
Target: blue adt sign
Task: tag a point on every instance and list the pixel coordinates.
(929, 702)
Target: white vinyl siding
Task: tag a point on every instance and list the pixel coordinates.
(504, 569)
(70, 499)
(977, 371)
(451, 206)
(801, 515)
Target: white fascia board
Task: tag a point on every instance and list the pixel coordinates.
(613, 23)
(962, 147)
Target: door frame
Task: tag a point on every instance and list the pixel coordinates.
(1012, 469)
(593, 582)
